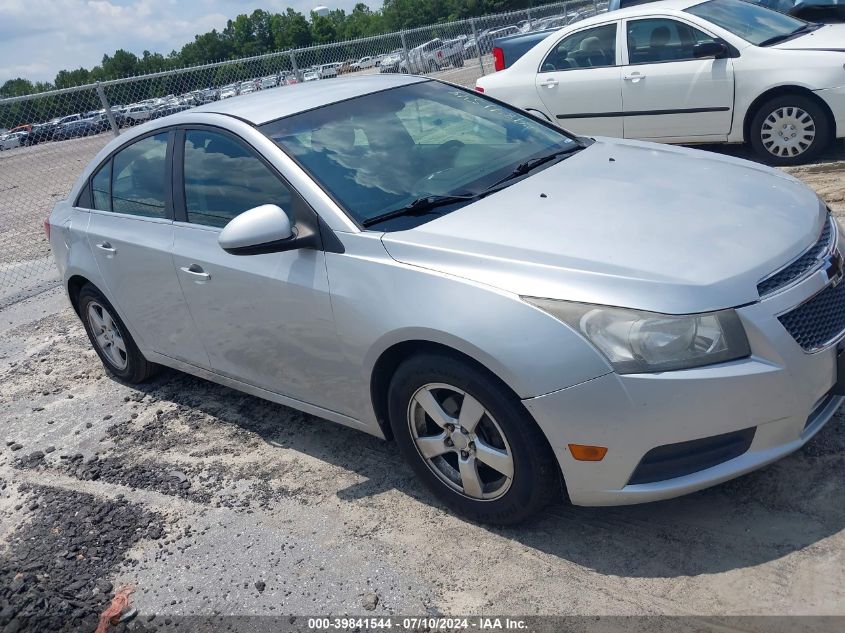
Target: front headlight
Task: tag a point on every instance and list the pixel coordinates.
(638, 342)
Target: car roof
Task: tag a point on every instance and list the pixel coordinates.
(639, 9)
(264, 106)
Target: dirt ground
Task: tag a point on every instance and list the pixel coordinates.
(207, 501)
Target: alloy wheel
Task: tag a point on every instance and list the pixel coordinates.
(788, 131)
(107, 335)
(460, 441)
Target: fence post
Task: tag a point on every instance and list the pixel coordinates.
(109, 114)
(405, 57)
(294, 66)
(477, 46)
(528, 17)
(595, 7)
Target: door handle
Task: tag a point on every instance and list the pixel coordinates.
(549, 83)
(195, 270)
(636, 76)
(106, 246)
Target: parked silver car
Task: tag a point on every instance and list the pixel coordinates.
(516, 306)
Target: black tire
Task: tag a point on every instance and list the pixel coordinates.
(457, 61)
(137, 369)
(764, 118)
(536, 478)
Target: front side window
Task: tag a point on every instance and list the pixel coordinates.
(223, 179)
(662, 40)
(753, 23)
(377, 153)
(589, 48)
(139, 178)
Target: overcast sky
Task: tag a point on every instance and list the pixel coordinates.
(40, 37)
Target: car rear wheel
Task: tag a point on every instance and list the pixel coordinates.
(789, 130)
(110, 338)
(470, 440)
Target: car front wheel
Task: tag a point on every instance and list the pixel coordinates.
(470, 440)
(789, 130)
(110, 338)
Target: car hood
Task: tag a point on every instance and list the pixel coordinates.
(830, 37)
(626, 223)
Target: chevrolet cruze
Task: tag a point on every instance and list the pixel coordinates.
(524, 311)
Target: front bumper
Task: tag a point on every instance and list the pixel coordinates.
(835, 99)
(780, 391)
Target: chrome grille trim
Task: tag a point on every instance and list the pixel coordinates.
(806, 263)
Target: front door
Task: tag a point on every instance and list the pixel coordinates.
(666, 91)
(579, 82)
(265, 319)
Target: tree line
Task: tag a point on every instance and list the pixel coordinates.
(264, 32)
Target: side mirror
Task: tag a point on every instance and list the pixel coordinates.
(264, 229)
(710, 49)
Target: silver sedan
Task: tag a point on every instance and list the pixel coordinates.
(522, 310)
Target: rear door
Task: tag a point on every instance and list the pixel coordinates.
(265, 319)
(666, 91)
(580, 79)
(130, 233)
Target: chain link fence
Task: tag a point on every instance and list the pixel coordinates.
(51, 136)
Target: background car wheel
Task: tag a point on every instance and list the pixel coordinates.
(110, 338)
(789, 130)
(470, 440)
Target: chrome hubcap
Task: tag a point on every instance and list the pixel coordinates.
(460, 441)
(108, 336)
(788, 132)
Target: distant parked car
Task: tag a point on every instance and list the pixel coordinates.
(364, 62)
(168, 108)
(268, 82)
(328, 71)
(392, 62)
(311, 75)
(10, 140)
(229, 91)
(137, 113)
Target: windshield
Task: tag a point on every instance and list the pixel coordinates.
(751, 22)
(380, 152)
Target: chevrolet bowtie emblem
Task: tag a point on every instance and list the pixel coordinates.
(833, 268)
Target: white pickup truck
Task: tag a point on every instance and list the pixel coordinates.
(435, 54)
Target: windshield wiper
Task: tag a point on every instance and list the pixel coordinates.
(805, 28)
(420, 206)
(529, 165)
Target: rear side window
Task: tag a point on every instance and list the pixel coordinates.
(589, 48)
(223, 179)
(139, 178)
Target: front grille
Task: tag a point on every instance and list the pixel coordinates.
(801, 266)
(819, 321)
(684, 458)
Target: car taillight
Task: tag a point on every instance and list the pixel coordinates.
(47, 227)
(479, 89)
(498, 59)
